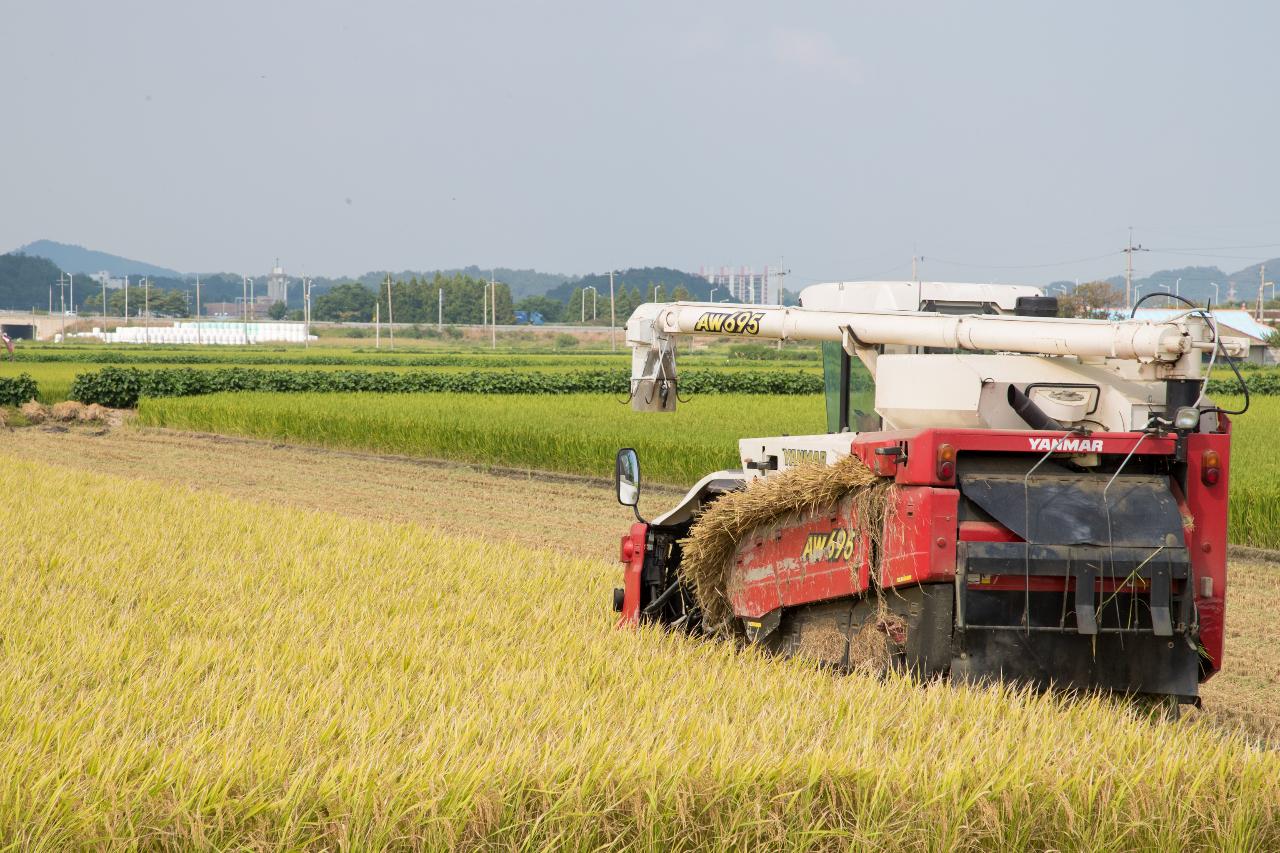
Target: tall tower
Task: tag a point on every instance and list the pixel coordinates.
(277, 284)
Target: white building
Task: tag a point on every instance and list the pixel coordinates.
(278, 284)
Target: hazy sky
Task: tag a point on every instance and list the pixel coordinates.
(994, 139)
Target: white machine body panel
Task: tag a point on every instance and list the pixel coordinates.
(970, 391)
(761, 456)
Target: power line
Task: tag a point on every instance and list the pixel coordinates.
(1128, 268)
(1214, 248)
(1205, 255)
(934, 260)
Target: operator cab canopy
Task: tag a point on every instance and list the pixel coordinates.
(942, 296)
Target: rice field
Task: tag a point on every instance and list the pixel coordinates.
(573, 433)
(260, 676)
(1255, 473)
(579, 434)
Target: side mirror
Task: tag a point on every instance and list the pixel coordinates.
(626, 477)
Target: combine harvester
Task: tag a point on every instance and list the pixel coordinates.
(1043, 500)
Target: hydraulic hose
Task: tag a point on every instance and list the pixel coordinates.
(1030, 412)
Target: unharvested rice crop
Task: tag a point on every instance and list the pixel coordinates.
(1255, 473)
(576, 433)
(580, 433)
(257, 676)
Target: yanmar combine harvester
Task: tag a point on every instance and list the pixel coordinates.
(1058, 507)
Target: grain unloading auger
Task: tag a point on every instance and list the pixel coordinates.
(1041, 499)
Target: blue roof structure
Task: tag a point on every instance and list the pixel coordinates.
(1234, 318)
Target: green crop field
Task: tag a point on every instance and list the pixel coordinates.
(1255, 473)
(184, 670)
(54, 367)
(576, 433)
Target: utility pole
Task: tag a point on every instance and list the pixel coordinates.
(126, 300)
(62, 303)
(244, 308)
(199, 338)
(104, 304)
(71, 277)
(613, 317)
(306, 313)
(391, 323)
(915, 276)
(782, 278)
(493, 308)
(1262, 286)
(1128, 269)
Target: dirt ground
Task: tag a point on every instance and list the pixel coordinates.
(571, 514)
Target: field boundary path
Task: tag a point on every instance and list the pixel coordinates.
(570, 513)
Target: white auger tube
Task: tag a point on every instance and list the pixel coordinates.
(653, 326)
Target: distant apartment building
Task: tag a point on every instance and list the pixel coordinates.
(744, 284)
(103, 277)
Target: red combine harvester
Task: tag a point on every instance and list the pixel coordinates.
(1059, 504)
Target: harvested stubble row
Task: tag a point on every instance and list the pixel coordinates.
(264, 677)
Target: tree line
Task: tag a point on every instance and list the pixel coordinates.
(452, 299)
(152, 300)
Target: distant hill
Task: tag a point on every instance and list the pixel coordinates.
(1196, 283)
(25, 280)
(77, 259)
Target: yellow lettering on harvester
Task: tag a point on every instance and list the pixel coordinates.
(794, 456)
(839, 544)
(739, 323)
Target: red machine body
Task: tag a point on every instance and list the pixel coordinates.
(937, 541)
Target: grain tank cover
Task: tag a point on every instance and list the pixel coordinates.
(944, 297)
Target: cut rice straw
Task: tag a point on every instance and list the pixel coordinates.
(709, 549)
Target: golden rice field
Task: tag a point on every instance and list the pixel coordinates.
(182, 670)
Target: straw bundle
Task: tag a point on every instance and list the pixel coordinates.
(708, 552)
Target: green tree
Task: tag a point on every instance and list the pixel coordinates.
(25, 281)
(345, 303)
(160, 302)
(1093, 299)
(552, 310)
(277, 311)
(465, 300)
(681, 294)
(574, 311)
